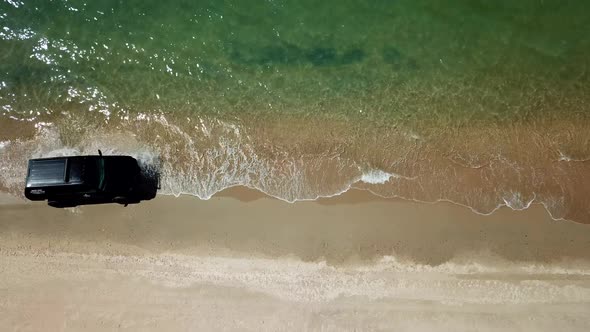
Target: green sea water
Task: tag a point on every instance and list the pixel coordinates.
(285, 56)
(304, 98)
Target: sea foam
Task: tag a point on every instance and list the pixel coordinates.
(377, 177)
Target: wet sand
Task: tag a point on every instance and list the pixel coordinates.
(244, 261)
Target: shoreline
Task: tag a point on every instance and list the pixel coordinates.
(357, 195)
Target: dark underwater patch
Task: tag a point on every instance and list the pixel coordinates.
(391, 55)
(322, 56)
(352, 56)
(285, 54)
(290, 54)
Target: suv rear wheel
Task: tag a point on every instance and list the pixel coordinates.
(60, 204)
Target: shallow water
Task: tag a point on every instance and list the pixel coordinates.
(480, 104)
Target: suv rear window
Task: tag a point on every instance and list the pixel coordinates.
(46, 171)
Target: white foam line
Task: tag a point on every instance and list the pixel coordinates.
(351, 187)
(347, 187)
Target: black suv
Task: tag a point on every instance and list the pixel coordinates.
(81, 180)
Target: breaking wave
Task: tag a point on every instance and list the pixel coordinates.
(206, 156)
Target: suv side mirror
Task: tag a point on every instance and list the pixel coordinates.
(99, 152)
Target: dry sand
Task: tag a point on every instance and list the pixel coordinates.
(243, 261)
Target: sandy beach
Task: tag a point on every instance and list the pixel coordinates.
(245, 261)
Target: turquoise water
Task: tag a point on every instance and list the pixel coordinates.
(481, 103)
